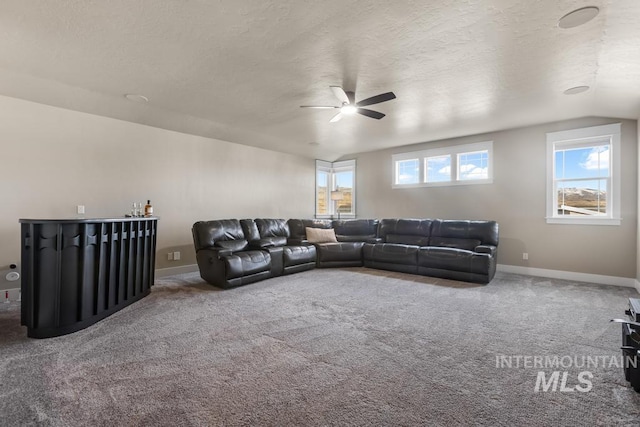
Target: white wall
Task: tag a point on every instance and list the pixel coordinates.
(55, 159)
(517, 200)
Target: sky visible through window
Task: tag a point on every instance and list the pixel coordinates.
(577, 164)
(438, 168)
(473, 165)
(343, 179)
(408, 171)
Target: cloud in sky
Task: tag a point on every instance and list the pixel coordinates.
(597, 159)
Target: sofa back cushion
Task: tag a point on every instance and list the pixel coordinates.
(297, 227)
(207, 233)
(353, 230)
(250, 229)
(275, 231)
(405, 231)
(473, 232)
(452, 242)
(233, 245)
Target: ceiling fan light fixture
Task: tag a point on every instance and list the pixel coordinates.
(578, 17)
(348, 109)
(576, 90)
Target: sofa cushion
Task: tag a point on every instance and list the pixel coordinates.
(269, 242)
(234, 245)
(356, 230)
(454, 259)
(407, 239)
(296, 255)
(250, 229)
(272, 227)
(207, 233)
(342, 251)
(246, 263)
(484, 231)
(391, 253)
(405, 231)
(452, 242)
(320, 235)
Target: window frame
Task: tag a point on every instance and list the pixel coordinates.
(453, 153)
(584, 138)
(334, 168)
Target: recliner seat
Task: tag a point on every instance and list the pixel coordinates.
(295, 257)
(224, 257)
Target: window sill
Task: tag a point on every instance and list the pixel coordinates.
(584, 221)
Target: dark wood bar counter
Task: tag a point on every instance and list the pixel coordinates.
(76, 272)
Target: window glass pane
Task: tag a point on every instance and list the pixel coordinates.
(473, 165)
(407, 171)
(344, 183)
(582, 197)
(585, 162)
(322, 193)
(438, 169)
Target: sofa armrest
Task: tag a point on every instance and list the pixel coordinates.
(297, 242)
(214, 253)
(261, 244)
(486, 249)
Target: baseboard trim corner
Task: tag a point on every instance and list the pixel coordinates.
(627, 282)
(172, 271)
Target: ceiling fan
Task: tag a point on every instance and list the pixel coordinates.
(349, 106)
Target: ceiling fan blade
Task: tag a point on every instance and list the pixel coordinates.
(318, 106)
(376, 99)
(370, 113)
(340, 94)
(352, 97)
(336, 118)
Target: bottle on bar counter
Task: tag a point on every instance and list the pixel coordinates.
(148, 209)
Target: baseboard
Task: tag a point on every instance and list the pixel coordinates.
(627, 282)
(172, 271)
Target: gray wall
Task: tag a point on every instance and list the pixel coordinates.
(55, 159)
(517, 200)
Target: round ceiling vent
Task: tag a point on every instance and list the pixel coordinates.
(136, 98)
(576, 90)
(578, 17)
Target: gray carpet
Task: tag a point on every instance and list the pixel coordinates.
(325, 347)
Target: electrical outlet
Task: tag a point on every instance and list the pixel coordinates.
(525, 256)
(9, 295)
(176, 256)
(80, 209)
(170, 256)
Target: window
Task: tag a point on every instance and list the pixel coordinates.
(438, 169)
(454, 165)
(473, 166)
(583, 176)
(408, 171)
(323, 178)
(335, 189)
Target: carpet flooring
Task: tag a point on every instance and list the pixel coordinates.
(330, 347)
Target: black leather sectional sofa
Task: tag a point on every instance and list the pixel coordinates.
(235, 252)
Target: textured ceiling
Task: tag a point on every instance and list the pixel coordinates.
(238, 70)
